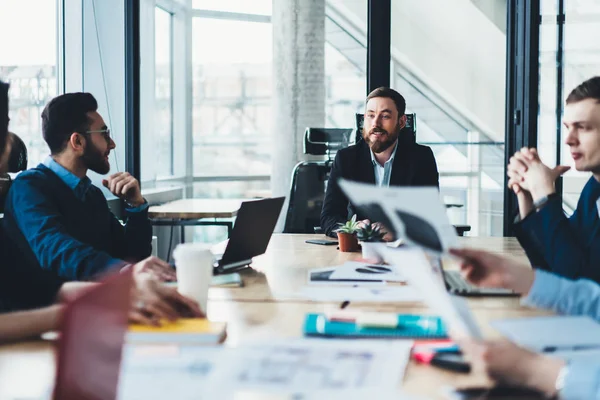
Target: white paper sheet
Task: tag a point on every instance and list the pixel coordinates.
(577, 355)
(416, 267)
(279, 369)
(562, 332)
(417, 214)
(306, 367)
(360, 293)
(168, 372)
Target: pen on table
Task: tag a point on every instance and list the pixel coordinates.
(553, 349)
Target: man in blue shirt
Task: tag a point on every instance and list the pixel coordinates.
(27, 287)
(509, 363)
(567, 246)
(59, 220)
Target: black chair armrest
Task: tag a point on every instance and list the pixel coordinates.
(461, 229)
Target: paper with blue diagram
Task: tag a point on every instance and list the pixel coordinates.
(416, 215)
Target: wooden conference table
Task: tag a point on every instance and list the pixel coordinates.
(195, 212)
(267, 308)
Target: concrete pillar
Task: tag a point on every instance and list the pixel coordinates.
(298, 85)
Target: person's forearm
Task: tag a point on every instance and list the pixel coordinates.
(27, 324)
(560, 243)
(525, 204)
(69, 291)
(542, 374)
(564, 296)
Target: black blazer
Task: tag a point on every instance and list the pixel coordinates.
(414, 165)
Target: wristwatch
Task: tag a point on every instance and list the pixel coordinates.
(560, 379)
(541, 202)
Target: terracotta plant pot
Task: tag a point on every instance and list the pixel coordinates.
(348, 242)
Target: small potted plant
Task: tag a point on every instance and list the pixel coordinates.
(367, 235)
(347, 235)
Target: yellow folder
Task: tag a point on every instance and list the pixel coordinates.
(182, 331)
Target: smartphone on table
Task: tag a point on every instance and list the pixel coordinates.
(322, 242)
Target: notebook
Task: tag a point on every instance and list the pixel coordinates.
(409, 327)
(182, 331)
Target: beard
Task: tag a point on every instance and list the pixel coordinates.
(95, 160)
(384, 141)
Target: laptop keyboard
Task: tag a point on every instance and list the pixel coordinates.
(459, 285)
(456, 282)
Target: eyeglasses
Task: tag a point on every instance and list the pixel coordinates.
(104, 132)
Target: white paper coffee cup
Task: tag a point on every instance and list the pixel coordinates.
(194, 263)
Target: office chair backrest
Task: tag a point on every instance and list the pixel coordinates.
(306, 196)
(17, 162)
(326, 141)
(408, 133)
(310, 177)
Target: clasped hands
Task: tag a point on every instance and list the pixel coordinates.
(529, 176)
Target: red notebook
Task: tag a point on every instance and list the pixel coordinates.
(91, 341)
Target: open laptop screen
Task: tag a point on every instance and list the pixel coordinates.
(252, 231)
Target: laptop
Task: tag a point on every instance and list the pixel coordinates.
(91, 341)
(251, 234)
(457, 285)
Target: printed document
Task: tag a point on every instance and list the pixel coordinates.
(417, 215)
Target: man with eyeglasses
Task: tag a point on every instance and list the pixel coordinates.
(59, 220)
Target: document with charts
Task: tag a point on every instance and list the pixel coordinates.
(295, 368)
(303, 367)
(416, 215)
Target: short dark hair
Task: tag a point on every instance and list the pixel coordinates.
(589, 89)
(390, 94)
(64, 115)
(3, 116)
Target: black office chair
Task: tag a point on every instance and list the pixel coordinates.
(309, 179)
(17, 162)
(407, 134)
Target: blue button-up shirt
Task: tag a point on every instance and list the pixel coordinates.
(80, 186)
(383, 173)
(580, 297)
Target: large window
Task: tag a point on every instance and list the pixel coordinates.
(567, 59)
(163, 93)
(28, 62)
(259, 7)
(457, 92)
(345, 63)
(231, 106)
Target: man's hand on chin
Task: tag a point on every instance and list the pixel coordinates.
(125, 187)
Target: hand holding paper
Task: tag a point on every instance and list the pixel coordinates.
(486, 269)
